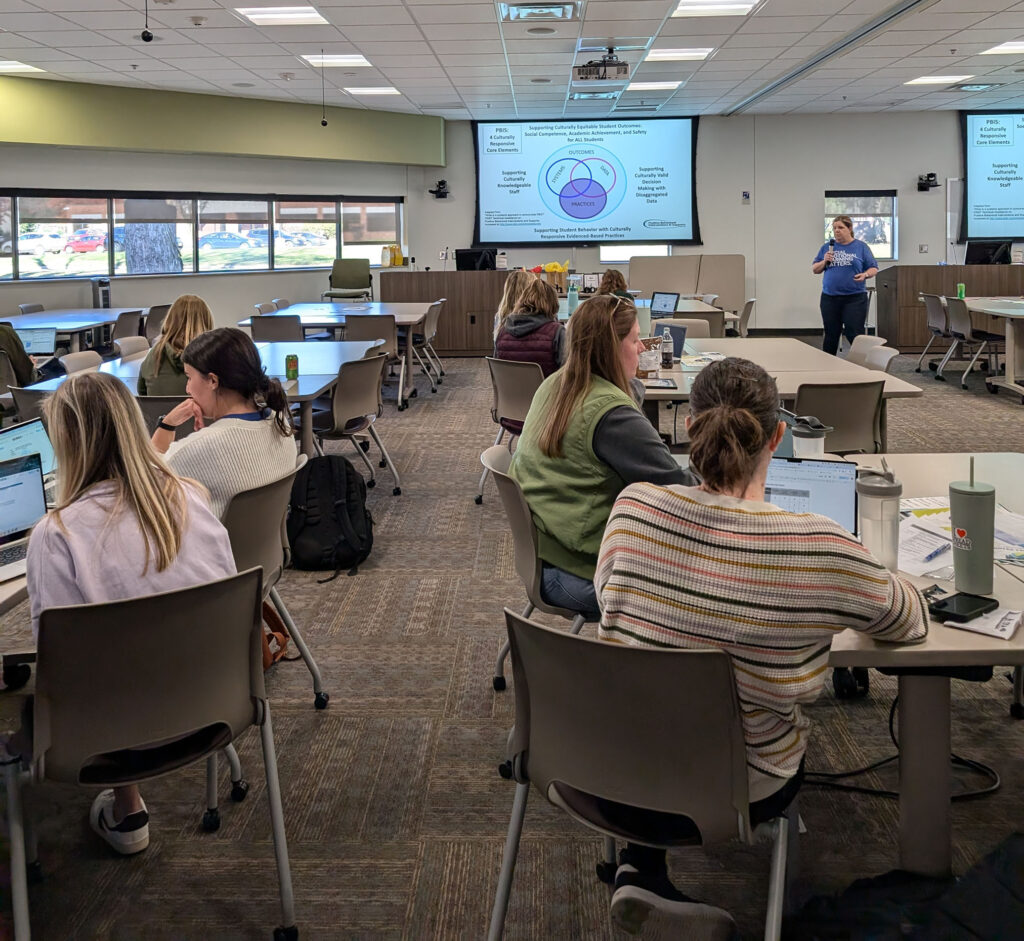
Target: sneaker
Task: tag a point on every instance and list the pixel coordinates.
(129, 836)
(648, 904)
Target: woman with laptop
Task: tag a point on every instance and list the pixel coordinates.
(770, 587)
(243, 437)
(162, 372)
(125, 526)
(585, 439)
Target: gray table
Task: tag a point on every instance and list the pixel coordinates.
(1011, 309)
(72, 322)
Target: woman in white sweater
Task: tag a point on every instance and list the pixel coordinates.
(243, 437)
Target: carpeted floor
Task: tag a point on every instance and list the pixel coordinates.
(396, 815)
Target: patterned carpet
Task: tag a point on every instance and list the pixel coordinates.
(395, 813)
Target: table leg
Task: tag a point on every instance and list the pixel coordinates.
(926, 776)
(306, 434)
(883, 427)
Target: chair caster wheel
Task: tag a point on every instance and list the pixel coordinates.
(396, 492)
(321, 699)
(402, 408)
(939, 378)
(860, 676)
(606, 872)
(286, 934)
(498, 683)
(414, 393)
(382, 463)
(239, 789)
(34, 872)
(1017, 710)
(370, 484)
(478, 499)
(440, 380)
(843, 683)
(365, 445)
(994, 390)
(433, 391)
(211, 821)
(505, 770)
(918, 369)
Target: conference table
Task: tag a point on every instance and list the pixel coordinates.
(331, 316)
(72, 322)
(791, 363)
(1011, 309)
(319, 364)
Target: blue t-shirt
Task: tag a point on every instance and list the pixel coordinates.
(847, 260)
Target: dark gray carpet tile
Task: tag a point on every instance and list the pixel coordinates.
(396, 815)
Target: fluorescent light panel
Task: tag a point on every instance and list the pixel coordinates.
(10, 65)
(530, 12)
(714, 7)
(336, 61)
(938, 79)
(374, 90)
(678, 55)
(1006, 49)
(282, 16)
(653, 86)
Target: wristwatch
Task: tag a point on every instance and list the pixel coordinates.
(160, 423)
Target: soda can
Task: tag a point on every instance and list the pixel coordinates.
(291, 366)
(961, 290)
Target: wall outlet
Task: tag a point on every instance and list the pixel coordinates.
(922, 249)
(745, 197)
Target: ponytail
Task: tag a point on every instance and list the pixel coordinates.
(276, 399)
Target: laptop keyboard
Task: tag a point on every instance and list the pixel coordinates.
(11, 554)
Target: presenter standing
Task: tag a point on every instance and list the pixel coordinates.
(846, 263)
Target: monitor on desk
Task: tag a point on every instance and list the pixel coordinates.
(475, 259)
(38, 341)
(987, 253)
(828, 488)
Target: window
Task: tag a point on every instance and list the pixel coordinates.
(152, 236)
(305, 233)
(620, 254)
(874, 218)
(224, 226)
(6, 239)
(62, 236)
(366, 227)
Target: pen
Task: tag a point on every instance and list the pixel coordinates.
(935, 553)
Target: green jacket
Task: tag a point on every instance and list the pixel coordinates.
(171, 378)
(571, 496)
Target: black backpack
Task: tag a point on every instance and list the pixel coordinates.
(329, 526)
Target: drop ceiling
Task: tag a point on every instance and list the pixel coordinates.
(455, 59)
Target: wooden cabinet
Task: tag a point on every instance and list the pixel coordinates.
(901, 316)
(467, 322)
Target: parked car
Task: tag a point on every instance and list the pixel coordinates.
(282, 239)
(86, 242)
(313, 238)
(224, 240)
(35, 243)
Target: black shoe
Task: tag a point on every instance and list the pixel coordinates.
(648, 904)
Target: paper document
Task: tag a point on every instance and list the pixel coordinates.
(922, 552)
(1001, 623)
(909, 504)
(701, 359)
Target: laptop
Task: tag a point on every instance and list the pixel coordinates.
(38, 341)
(804, 485)
(663, 302)
(22, 505)
(30, 437)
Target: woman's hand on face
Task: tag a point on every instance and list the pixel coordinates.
(182, 412)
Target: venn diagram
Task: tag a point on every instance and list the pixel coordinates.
(583, 182)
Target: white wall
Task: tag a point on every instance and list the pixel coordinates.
(786, 162)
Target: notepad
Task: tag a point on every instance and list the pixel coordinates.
(1001, 623)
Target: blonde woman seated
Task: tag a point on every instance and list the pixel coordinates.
(517, 282)
(585, 439)
(162, 372)
(531, 333)
(125, 526)
(243, 437)
(770, 587)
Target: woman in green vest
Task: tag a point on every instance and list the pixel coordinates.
(162, 371)
(584, 440)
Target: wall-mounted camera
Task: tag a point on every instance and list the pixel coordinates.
(441, 191)
(927, 181)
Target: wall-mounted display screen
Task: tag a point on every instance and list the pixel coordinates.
(586, 181)
(993, 175)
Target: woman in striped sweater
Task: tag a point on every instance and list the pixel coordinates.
(717, 566)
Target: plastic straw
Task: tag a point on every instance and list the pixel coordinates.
(972, 470)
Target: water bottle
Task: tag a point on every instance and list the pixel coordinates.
(574, 299)
(879, 504)
(667, 348)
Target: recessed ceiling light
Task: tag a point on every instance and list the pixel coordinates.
(678, 55)
(282, 16)
(523, 12)
(938, 80)
(652, 86)
(1006, 49)
(330, 62)
(978, 87)
(590, 95)
(714, 7)
(11, 66)
(374, 90)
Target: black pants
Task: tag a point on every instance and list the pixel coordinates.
(842, 313)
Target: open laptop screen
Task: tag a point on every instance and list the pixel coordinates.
(663, 302)
(38, 341)
(22, 503)
(27, 438)
(811, 486)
